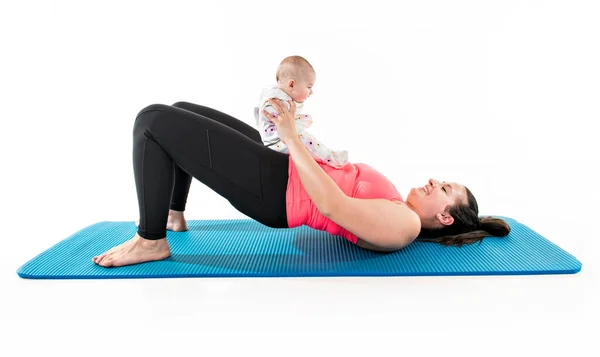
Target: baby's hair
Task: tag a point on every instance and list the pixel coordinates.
(292, 66)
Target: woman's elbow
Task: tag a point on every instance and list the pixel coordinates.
(332, 205)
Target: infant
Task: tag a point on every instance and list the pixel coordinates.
(295, 78)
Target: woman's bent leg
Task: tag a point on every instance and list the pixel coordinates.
(181, 188)
(252, 177)
(222, 118)
(183, 180)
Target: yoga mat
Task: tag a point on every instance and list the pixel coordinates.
(246, 248)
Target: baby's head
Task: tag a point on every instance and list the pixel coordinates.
(295, 76)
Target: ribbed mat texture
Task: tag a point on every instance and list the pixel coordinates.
(245, 248)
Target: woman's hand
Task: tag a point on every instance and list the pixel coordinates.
(284, 119)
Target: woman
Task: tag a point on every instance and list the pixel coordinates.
(172, 144)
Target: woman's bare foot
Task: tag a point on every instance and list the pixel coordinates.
(176, 222)
(134, 251)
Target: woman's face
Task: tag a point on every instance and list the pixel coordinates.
(431, 202)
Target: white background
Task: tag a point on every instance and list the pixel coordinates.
(501, 96)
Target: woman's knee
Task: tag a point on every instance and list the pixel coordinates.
(152, 108)
(195, 108)
(181, 104)
(149, 115)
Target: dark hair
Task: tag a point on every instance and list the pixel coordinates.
(468, 227)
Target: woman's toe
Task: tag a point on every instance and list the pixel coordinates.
(103, 258)
(105, 261)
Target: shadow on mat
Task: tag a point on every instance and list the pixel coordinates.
(239, 225)
(306, 251)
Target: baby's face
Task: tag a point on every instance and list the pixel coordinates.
(302, 88)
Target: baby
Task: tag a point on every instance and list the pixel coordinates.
(295, 78)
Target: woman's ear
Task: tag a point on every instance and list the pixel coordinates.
(445, 218)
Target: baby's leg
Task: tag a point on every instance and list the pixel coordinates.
(279, 146)
(322, 153)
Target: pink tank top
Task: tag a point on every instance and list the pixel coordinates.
(355, 180)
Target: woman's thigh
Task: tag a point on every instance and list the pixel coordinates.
(222, 118)
(252, 177)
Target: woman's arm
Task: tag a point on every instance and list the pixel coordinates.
(321, 188)
(381, 224)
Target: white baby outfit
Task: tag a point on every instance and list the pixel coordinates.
(270, 137)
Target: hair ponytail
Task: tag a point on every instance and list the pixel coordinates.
(468, 227)
(494, 226)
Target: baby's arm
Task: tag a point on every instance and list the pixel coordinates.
(322, 153)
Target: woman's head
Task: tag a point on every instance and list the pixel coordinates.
(449, 214)
(295, 76)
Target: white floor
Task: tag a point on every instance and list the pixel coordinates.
(501, 96)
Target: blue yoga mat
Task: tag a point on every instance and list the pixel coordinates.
(245, 248)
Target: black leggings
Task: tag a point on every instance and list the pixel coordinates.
(172, 144)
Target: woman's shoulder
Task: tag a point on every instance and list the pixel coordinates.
(407, 224)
